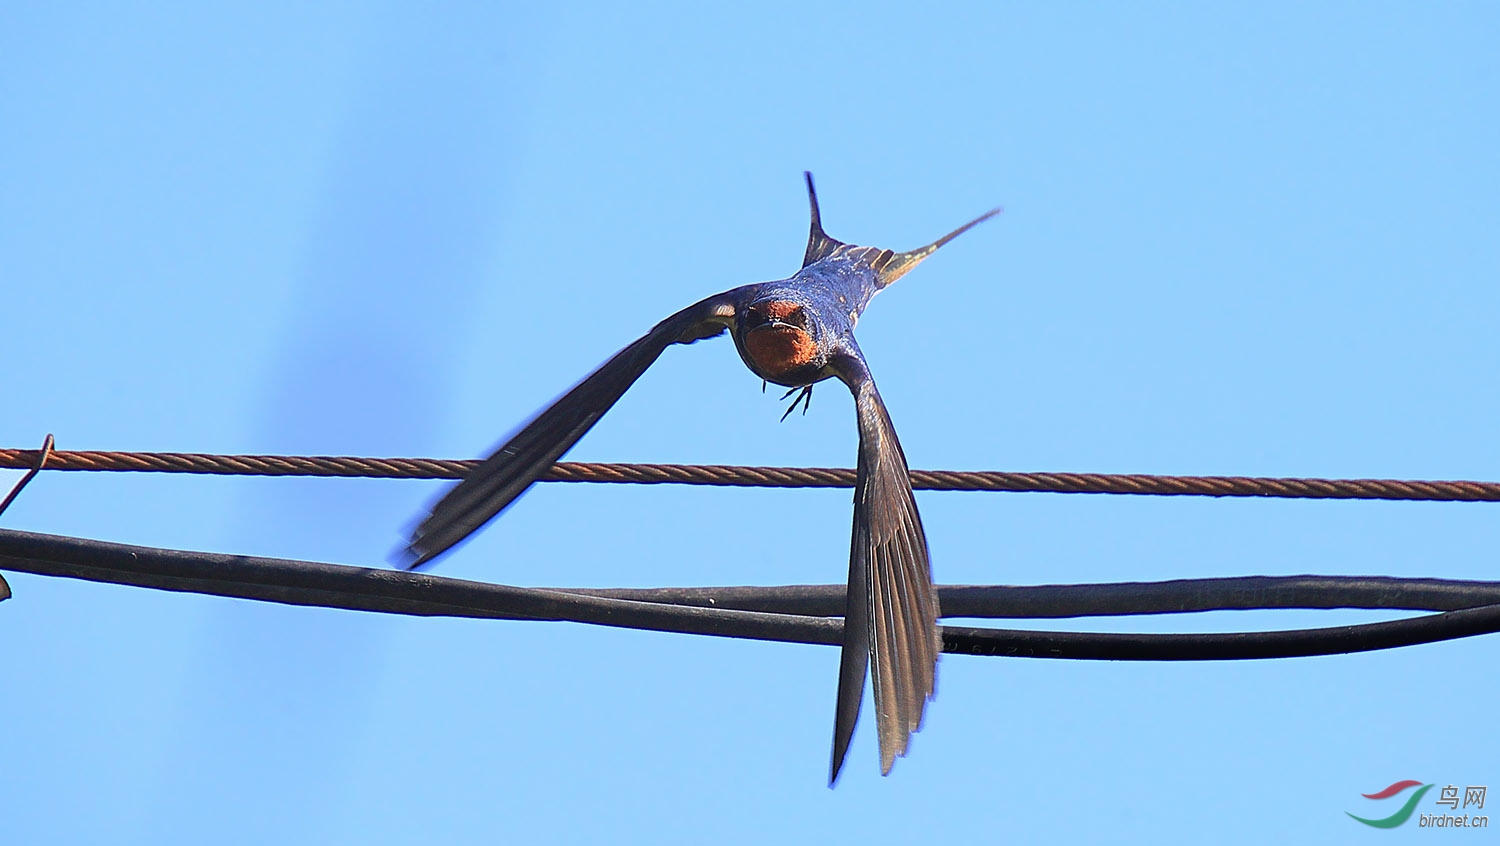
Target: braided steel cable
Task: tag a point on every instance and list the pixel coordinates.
(797, 613)
(776, 477)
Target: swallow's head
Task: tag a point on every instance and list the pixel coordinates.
(778, 337)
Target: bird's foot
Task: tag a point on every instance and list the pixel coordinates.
(805, 398)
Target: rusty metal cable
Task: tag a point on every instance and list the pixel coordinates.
(778, 477)
(400, 592)
(797, 613)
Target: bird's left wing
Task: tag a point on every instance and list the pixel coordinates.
(505, 475)
(892, 608)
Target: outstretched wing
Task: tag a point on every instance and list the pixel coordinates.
(503, 476)
(892, 610)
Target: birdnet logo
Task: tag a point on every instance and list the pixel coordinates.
(1473, 796)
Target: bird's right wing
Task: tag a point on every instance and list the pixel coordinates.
(505, 475)
(892, 608)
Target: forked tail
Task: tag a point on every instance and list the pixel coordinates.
(889, 265)
(900, 264)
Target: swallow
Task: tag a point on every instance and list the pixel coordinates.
(794, 332)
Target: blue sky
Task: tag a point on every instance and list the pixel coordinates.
(1255, 240)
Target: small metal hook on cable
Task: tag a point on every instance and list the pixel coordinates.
(41, 461)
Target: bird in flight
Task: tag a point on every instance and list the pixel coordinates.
(794, 332)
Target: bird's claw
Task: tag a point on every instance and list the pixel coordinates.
(805, 398)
